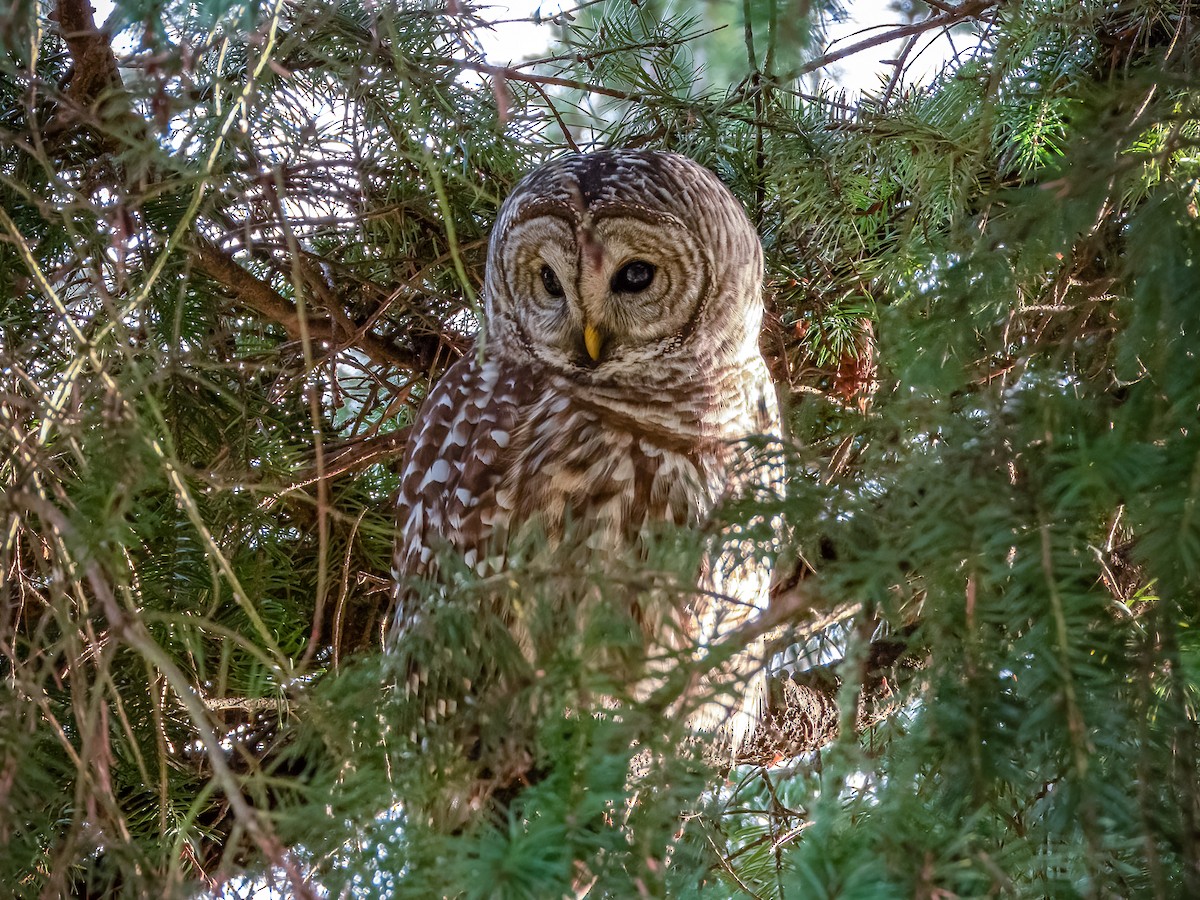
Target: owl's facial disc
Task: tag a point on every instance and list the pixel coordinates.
(613, 289)
(593, 340)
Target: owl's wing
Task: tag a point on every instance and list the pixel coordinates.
(737, 575)
(456, 461)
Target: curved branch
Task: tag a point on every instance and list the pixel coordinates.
(96, 76)
(968, 9)
(95, 65)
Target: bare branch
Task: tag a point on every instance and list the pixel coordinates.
(356, 455)
(968, 9)
(258, 295)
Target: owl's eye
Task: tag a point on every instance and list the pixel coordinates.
(553, 286)
(634, 277)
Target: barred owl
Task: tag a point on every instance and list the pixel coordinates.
(618, 381)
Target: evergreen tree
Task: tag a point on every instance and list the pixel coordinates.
(238, 243)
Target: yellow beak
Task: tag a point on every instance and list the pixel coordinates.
(593, 341)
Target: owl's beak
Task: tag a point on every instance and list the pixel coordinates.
(593, 341)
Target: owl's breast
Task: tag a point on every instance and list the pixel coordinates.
(502, 449)
(581, 465)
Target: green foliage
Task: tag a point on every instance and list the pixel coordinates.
(229, 271)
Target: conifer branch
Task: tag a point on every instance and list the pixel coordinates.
(258, 295)
(515, 73)
(128, 627)
(1036, 368)
(96, 75)
(968, 9)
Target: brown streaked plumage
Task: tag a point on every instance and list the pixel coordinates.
(619, 379)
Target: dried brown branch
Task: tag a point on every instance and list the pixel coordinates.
(804, 714)
(259, 296)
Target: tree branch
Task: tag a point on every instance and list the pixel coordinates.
(129, 628)
(95, 78)
(258, 295)
(356, 454)
(95, 74)
(514, 73)
(95, 68)
(968, 9)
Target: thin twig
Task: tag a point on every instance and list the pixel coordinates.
(512, 73)
(968, 9)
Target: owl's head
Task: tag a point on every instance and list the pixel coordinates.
(603, 260)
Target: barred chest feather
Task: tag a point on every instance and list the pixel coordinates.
(501, 446)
